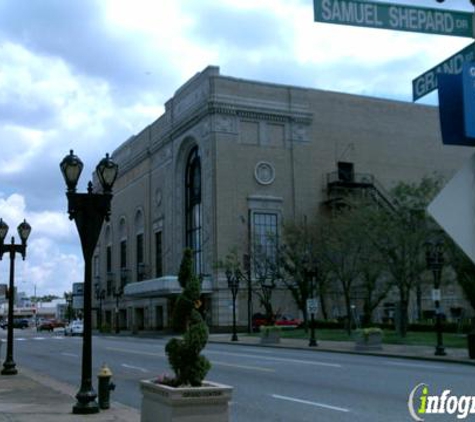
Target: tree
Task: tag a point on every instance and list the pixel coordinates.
(342, 253)
(266, 273)
(401, 238)
(184, 356)
(300, 264)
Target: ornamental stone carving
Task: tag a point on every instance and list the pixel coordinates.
(264, 173)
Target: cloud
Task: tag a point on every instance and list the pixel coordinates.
(52, 262)
(48, 269)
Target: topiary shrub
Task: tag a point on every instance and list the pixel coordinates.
(184, 354)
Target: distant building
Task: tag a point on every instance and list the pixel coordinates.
(226, 164)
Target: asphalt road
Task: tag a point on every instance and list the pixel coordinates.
(270, 384)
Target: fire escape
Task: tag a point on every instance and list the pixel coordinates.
(345, 183)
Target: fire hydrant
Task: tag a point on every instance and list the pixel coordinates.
(105, 386)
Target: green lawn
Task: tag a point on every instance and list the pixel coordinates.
(389, 337)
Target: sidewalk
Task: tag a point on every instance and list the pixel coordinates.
(454, 355)
(30, 397)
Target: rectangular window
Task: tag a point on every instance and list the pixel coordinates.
(139, 256)
(109, 259)
(158, 255)
(346, 172)
(123, 263)
(96, 266)
(265, 240)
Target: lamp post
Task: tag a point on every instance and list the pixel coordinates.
(435, 263)
(117, 295)
(313, 275)
(69, 301)
(100, 296)
(246, 259)
(24, 229)
(89, 210)
(233, 285)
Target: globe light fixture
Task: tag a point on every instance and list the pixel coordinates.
(71, 167)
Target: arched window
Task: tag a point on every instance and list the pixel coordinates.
(109, 275)
(139, 246)
(123, 252)
(193, 207)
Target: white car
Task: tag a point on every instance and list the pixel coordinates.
(75, 328)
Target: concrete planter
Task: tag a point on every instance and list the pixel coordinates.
(371, 341)
(271, 337)
(191, 404)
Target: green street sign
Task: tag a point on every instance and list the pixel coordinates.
(427, 82)
(394, 16)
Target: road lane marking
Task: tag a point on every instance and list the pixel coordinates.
(38, 338)
(276, 359)
(252, 368)
(70, 354)
(138, 368)
(415, 365)
(311, 403)
(136, 352)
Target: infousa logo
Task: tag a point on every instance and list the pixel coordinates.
(421, 403)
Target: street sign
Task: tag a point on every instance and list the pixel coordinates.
(394, 16)
(427, 82)
(454, 207)
(312, 306)
(468, 82)
(457, 106)
(436, 295)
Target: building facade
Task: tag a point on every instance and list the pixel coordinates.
(226, 164)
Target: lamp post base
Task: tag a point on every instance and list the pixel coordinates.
(440, 351)
(86, 404)
(9, 368)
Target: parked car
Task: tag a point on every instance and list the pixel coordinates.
(49, 325)
(258, 320)
(17, 323)
(287, 320)
(75, 328)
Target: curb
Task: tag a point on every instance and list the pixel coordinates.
(351, 352)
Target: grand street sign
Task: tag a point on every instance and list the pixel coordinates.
(394, 16)
(427, 82)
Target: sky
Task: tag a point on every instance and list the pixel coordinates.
(88, 74)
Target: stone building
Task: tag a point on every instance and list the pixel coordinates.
(229, 161)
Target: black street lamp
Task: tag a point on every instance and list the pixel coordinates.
(117, 295)
(313, 275)
(24, 229)
(69, 301)
(233, 285)
(435, 263)
(246, 259)
(100, 296)
(89, 210)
